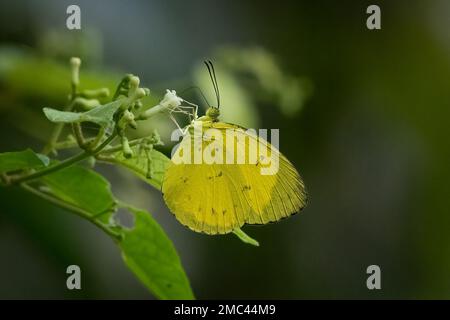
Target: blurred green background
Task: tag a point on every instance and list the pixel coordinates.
(363, 115)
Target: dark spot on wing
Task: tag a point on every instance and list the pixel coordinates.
(224, 211)
(219, 174)
(246, 188)
(213, 211)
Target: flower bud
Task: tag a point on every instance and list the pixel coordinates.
(127, 152)
(134, 83)
(96, 93)
(86, 104)
(138, 94)
(75, 70)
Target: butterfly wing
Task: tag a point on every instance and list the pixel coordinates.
(272, 196)
(217, 198)
(203, 199)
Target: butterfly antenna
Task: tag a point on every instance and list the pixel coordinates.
(199, 90)
(217, 85)
(212, 75)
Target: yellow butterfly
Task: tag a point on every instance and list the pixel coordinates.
(219, 197)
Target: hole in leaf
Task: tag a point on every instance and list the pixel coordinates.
(124, 218)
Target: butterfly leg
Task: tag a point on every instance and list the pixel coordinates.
(175, 121)
(193, 107)
(190, 110)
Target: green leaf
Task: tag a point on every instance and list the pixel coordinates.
(245, 237)
(146, 249)
(83, 188)
(101, 115)
(26, 159)
(104, 113)
(45, 160)
(150, 254)
(138, 164)
(62, 116)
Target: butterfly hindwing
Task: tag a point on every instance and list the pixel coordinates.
(218, 198)
(202, 198)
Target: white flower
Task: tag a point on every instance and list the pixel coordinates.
(171, 100)
(169, 103)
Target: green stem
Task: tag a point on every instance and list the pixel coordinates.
(63, 164)
(108, 159)
(119, 147)
(72, 208)
(68, 144)
(78, 133)
(98, 138)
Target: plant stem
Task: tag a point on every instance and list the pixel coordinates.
(119, 147)
(72, 208)
(78, 133)
(98, 138)
(63, 164)
(68, 144)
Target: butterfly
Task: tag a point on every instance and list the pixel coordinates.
(217, 197)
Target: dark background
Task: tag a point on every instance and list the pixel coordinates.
(368, 132)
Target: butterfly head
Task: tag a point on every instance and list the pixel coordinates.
(213, 113)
